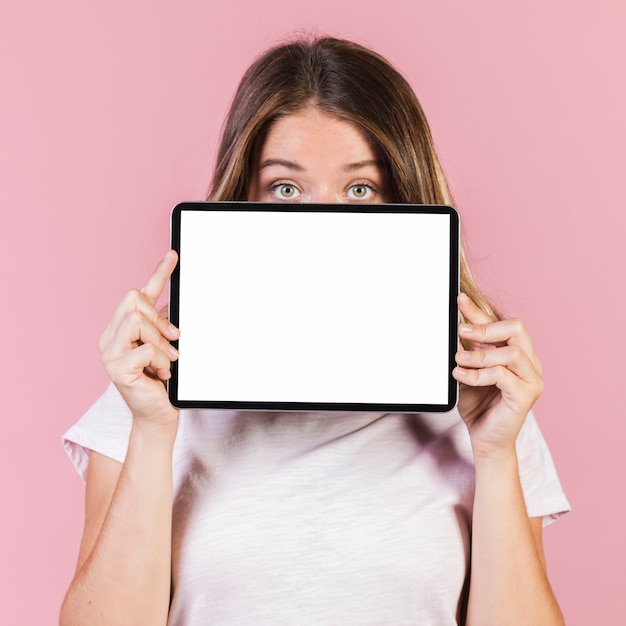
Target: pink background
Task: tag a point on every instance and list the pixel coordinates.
(109, 115)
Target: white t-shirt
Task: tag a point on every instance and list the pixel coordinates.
(319, 518)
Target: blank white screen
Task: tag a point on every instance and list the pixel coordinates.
(314, 307)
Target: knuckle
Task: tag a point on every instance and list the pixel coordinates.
(163, 370)
(135, 317)
(162, 322)
(166, 347)
(501, 372)
(150, 351)
(132, 297)
(518, 326)
(473, 376)
(516, 354)
(109, 369)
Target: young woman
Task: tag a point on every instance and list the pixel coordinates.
(223, 517)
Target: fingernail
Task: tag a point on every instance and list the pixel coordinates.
(466, 328)
(173, 352)
(172, 329)
(463, 356)
(460, 371)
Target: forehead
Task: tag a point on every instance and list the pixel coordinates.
(313, 129)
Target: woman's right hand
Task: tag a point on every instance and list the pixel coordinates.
(136, 350)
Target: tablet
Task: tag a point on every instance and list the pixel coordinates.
(315, 307)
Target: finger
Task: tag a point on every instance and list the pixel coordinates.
(506, 332)
(131, 366)
(518, 392)
(511, 357)
(471, 312)
(136, 329)
(505, 380)
(484, 329)
(135, 300)
(480, 328)
(473, 316)
(144, 300)
(156, 283)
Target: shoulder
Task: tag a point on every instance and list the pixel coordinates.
(543, 493)
(103, 428)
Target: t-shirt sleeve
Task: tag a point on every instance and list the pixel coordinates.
(542, 489)
(104, 428)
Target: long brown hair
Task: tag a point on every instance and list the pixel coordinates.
(352, 83)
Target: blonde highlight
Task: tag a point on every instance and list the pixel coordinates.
(352, 83)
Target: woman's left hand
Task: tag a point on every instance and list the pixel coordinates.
(500, 379)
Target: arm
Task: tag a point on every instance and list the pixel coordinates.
(508, 580)
(124, 564)
(500, 382)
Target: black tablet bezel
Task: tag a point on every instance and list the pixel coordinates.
(321, 406)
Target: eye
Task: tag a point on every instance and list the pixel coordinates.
(285, 191)
(361, 191)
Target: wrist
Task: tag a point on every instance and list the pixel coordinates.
(157, 429)
(495, 457)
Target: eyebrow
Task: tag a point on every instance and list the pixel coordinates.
(361, 164)
(288, 164)
(292, 165)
